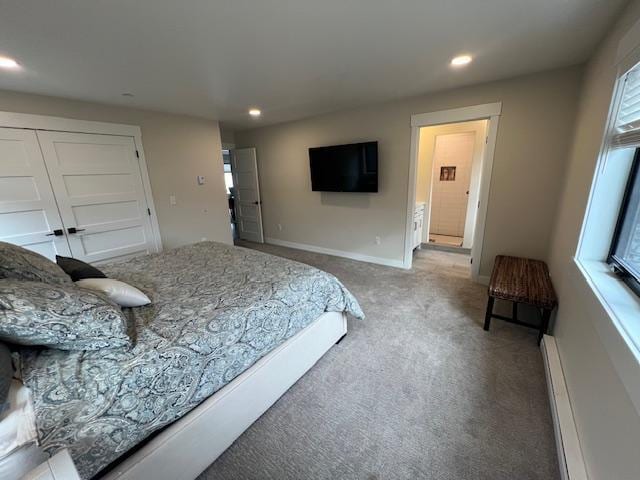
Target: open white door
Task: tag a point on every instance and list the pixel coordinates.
(28, 213)
(99, 191)
(244, 166)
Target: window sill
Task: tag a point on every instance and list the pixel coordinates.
(619, 328)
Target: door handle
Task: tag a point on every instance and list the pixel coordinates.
(72, 230)
(57, 232)
(257, 202)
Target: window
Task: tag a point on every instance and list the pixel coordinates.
(228, 177)
(625, 249)
(624, 254)
(608, 253)
(610, 232)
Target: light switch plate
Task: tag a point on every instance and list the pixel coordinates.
(172, 199)
(201, 179)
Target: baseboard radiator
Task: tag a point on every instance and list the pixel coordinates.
(570, 458)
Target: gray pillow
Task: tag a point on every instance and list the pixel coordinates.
(77, 269)
(6, 374)
(22, 264)
(60, 316)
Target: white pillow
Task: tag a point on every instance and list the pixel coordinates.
(123, 294)
(19, 452)
(18, 424)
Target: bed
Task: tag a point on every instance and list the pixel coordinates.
(228, 331)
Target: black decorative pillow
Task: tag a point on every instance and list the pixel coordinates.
(60, 316)
(77, 269)
(21, 264)
(6, 375)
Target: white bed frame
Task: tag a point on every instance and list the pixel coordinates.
(188, 446)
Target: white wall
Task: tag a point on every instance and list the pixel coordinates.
(532, 144)
(178, 148)
(227, 136)
(608, 424)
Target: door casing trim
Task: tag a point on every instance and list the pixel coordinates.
(487, 111)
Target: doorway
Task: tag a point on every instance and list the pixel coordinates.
(247, 200)
(243, 193)
(449, 177)
(449, 162)
(228, 183)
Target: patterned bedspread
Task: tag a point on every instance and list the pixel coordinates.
(215, 311)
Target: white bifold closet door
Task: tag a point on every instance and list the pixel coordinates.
(98, 187)
(28, 212)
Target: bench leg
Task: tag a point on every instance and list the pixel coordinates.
(487, 317)
(544, 325)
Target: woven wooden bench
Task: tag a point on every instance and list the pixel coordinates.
(521, 280)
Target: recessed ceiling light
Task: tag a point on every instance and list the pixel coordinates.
(6, 62)
(254, 112)
(461, 60)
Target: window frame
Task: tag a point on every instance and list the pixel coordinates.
(619, 265)
(609, 304)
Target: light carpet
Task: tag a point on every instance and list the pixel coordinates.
(416, 391)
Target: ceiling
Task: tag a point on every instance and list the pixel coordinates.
(290, 58)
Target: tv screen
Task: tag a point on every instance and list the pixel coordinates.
(345, 168)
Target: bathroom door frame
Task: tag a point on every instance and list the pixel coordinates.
(490, 112)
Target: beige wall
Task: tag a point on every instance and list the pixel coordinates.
(177, 149)
(227, 136)
(426, 148)
(538, 114)
(607, 422)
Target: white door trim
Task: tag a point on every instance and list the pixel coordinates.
(59, 124)
(464, 114)
(489, 111)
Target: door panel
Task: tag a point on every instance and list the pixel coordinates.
(77, 185)
(28, 212)
(99, 192)
(248, 204)
(450, 195)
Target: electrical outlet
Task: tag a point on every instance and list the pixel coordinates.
(378, 242)
(279, 227)
(172, 200)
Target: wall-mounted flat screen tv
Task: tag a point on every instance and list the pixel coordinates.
(345, 168)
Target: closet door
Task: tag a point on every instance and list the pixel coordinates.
(98, 187)
(28, 213)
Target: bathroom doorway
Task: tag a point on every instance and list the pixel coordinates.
(443, 144)
(449, 163)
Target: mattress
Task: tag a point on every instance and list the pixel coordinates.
(215, 311)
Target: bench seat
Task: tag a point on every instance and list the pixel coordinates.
(521, 280)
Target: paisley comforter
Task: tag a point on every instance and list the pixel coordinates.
(215, 311)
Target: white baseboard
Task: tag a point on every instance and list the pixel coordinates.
(570, 458)
(336, 253)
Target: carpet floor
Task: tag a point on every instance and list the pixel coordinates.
(415, 391)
